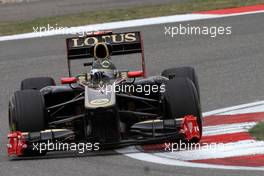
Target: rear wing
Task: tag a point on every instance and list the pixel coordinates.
(122, 43)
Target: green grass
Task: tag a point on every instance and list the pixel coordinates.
(93, 17)
(258, 131)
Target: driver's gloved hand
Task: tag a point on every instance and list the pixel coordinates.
(98, 75)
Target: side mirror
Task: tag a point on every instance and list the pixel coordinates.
(135, 74)
(68, 80)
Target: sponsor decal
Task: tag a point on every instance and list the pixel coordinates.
(109, 38)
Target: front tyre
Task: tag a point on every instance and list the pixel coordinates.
(180, 99)
(27, 114)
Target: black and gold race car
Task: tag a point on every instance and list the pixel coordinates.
(105, 106)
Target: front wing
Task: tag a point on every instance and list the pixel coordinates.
(19, 142)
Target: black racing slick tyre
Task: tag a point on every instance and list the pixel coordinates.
(27, 114)
(27, 111)
(37, 83)
(185, 72)
(180, 99)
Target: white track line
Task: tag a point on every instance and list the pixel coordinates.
(227, 128)
(240, 109)
(112, 25)
(253, 109)
(235, 149)
(132, 152)
(122, 24)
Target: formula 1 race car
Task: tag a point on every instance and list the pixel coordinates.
(105, 105)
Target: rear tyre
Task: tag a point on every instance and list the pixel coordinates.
(27, 114)
(181, 99)
(185, 72)
(37, 83)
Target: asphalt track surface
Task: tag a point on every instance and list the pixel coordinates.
(230, 69)
(31, 9)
